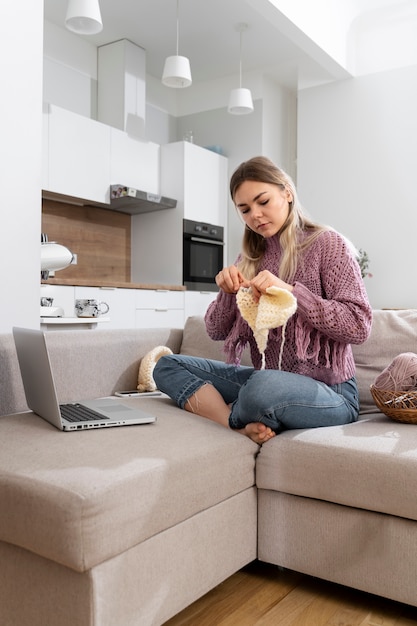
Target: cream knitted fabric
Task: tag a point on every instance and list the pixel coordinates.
(147, 366)
(273, 310)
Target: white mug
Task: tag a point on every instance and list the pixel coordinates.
(90, 308)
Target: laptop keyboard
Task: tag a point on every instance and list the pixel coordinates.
(80, 413)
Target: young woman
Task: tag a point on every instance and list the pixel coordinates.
(316, 383)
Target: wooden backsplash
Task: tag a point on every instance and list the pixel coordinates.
(100, 238)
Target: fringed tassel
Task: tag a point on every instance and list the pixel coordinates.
(281, 350)
(234, 350)
(315, 351)
(308, 347)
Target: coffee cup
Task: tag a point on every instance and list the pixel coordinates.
(90, 308)
(46, 301)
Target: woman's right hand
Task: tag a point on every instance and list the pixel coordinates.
(230, 279)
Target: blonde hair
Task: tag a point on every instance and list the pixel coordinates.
(262, 169)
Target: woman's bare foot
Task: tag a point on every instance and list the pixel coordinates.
(208, 402)
(258, 432)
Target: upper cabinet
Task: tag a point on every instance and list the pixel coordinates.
(83, 157)
(77, 155)
(134, 163)
(197, 178)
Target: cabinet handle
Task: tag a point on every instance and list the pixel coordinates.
(161, 310)
(214, 242)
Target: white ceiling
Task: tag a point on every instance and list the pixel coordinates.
(208, 36)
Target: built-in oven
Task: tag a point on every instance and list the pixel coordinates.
(202, 255)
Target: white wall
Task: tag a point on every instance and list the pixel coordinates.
(305, 15)
(357, 158)
(363, 36)
(383, 37)
(70, 71)
(21, 31)
(279, 126)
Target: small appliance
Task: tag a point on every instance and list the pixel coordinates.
(54, 256)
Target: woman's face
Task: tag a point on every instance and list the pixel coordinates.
(264, 207)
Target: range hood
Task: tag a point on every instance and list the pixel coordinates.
(122, 199)
(133, 201)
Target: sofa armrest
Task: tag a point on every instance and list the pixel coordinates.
(12, 396)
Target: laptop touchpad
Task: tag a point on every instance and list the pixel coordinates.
(114, 408)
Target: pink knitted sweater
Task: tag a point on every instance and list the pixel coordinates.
(333, 312)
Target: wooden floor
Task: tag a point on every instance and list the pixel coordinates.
(263, 595)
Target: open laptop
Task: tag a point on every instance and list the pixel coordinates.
(41, 397)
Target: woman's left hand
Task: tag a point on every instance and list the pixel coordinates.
(266, 279)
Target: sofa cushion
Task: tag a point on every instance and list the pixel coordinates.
(115, 356)
(81, 497)
(196, 342)
(370, 464)
(393, 332)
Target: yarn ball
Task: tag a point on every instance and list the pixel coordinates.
(400, 375)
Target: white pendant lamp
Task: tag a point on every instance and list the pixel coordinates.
(240, 100)
(177, 71)
(84, 17)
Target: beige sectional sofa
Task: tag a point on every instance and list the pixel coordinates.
(129, 525)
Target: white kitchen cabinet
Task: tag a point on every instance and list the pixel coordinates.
(198, 179)
(129, 308)
(159, 318)
(134, 163)
(197, 302)
(120, 301)
(159, 308)
(78, 155)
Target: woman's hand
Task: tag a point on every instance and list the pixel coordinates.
(230, 279)
(266, 279)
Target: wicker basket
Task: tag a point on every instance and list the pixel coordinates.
(399, 405)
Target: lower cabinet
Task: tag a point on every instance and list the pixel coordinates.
(157, 318)
(121, 304)
(159, 308)
(132, 308)
(197, 302)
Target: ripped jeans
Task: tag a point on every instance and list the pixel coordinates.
(280, 400)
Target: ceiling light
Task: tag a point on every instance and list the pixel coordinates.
(177, 71)
(240, 101)
(83, 17)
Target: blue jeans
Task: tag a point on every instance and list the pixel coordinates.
(281, 400)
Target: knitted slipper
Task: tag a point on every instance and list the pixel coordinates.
(273, 310)
(147, 366)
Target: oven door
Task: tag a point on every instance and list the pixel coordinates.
(202, 261)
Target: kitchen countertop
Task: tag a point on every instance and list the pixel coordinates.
(110, 284)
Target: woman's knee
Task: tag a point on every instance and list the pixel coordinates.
(163, 367)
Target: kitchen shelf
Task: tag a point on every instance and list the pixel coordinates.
(68, 323)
